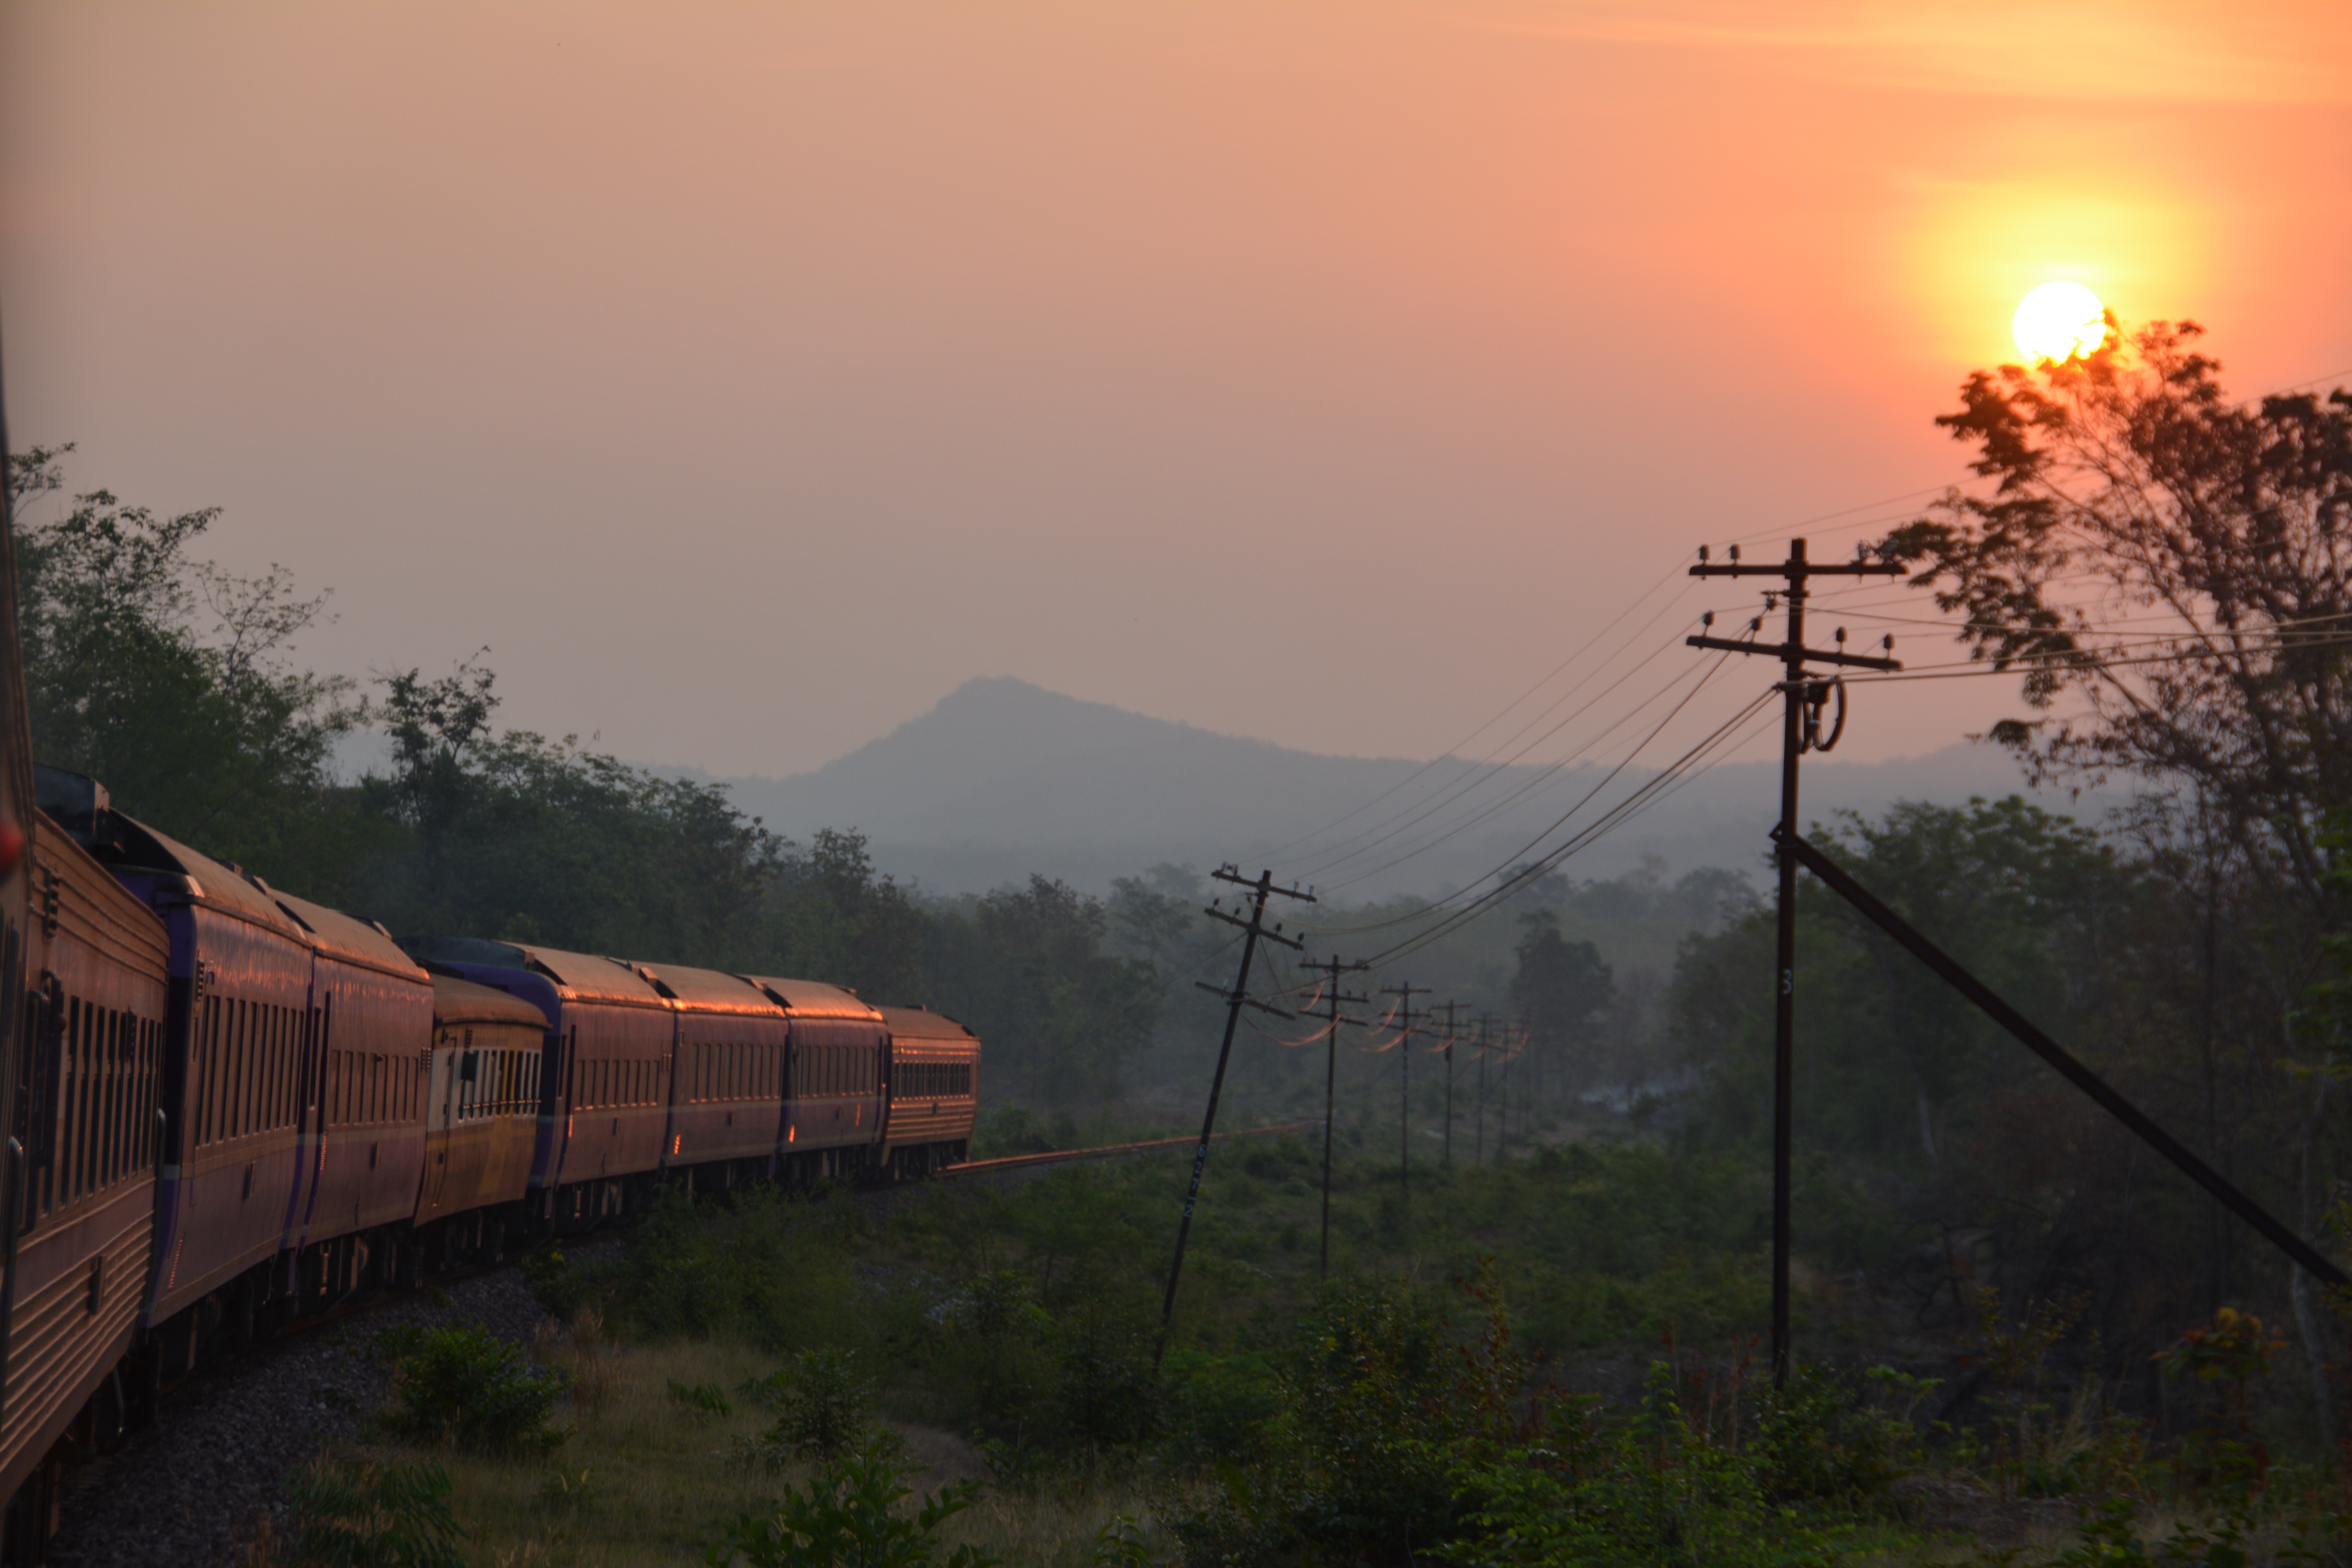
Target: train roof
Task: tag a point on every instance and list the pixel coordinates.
(708, 990)
(583, 977)
(457, 1000)
(210, 883)
(358, 941)
(814, 999)
(922, 1024)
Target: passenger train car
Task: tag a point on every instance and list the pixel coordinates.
(234, 1109)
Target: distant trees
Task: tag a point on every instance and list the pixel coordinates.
(1029, 969)
(1561, 993)
(174, 684)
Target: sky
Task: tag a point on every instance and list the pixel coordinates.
(746, 376)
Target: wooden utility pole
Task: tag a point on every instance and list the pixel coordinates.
(1803, 700)
(1478, 1158)
(1255, 930)
(1332, 969)
(1405, 992)
(1451, 1008)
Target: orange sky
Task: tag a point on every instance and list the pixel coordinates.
(748, 376)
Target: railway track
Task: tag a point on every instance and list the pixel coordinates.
(1108, 1150)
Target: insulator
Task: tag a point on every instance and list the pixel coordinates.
(1735, 553)
(1702, 553)
(1841, 634)
(1708, 619)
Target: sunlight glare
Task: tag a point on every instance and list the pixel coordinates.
(2059, 322)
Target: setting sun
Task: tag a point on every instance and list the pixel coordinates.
(2058, 320)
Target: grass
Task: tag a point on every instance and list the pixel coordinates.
(645, 1477)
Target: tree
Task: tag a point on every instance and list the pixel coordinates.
(1562, 990)
(2178, 565)
(174, 681)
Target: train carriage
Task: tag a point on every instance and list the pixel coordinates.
(372, 1012)
(235, 1068)
(605, 1086)
(94, 1012)
(832, 1111)
(482, 1105)
(727, 1075)
(934, 1090)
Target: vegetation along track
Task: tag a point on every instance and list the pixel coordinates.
(191, 1491)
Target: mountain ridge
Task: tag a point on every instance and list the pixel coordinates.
(1002, 778)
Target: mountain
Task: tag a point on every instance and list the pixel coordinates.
(1003, 778)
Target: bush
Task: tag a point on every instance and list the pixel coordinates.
(468, 1388)
(821, 1409)
(342, 1515)
(765, 1271)
(848, 1515)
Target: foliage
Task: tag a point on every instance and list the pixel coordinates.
(172, 681)
(707, 1397)
(341, 1515)
(1561, 991)
(467, 1388)
(848, 1517)
(2209, 536)
(823, 1408)
(1029, 972)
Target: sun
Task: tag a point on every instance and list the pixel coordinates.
(2060, 321)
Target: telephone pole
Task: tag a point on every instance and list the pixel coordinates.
(1332, 969)
(1404, 1083)
(1803, 700)
(1254, 931)
(1451, 1008)
(1479, 1159)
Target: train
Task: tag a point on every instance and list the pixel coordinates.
(234, 1109)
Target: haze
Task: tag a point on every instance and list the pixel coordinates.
(746, 377)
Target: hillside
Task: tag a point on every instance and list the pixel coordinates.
(1003, 778)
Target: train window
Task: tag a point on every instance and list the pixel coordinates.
(109, 1116)
(240, 1079)
(70, 1182)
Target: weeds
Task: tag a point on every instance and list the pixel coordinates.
(347, 1515)
(849, 1515)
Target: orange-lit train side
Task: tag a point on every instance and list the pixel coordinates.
(482, 1123)
(82, 1170)
(934, 1091)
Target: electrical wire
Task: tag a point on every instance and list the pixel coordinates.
(1664, 579)
(1541, 776)
(1555, 827)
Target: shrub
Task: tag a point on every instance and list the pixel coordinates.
(468, 1388)
(342, 1515)
(849, 1515)
(821, 1404)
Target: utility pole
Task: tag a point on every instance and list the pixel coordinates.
(1451, 1008)
(1804, 699)
(1254, 931)
(1478, 1160)
(1512, 1043)
(1404, 1083)
(1332, 969)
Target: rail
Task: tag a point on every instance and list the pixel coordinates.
(1055, 1156)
